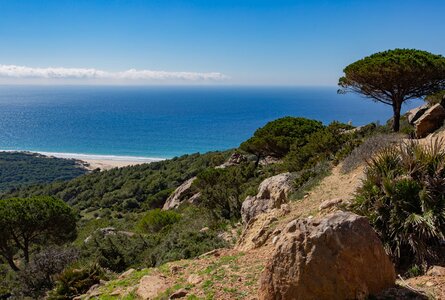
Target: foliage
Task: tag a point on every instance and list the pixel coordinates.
(367, 149)
(395, 76)
(276, 137)
(20, 169)
(119, 188)
(74, 282)
(38, 276)
(116, 252)
(403, 197)
(222, 190)
(185, 239)
(156, 220)
(329, 143)
(35, 220)
(435, 98)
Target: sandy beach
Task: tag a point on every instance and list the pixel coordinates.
(94, 161)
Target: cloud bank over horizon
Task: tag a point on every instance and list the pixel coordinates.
(91, 74)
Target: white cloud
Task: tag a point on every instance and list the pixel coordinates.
(12, 71)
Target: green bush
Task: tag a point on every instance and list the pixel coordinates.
(276, 137)
(156, 220)
(74, 282)
(223, 190)
(403, 197)
(329, 143)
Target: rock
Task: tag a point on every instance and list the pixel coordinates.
(150, 286)
(258, 231)
(126, 273)
(431, 120)
(268, 160)
(234, 160)
(272, 193)
(436, 271)
(194, 279)
(181, 194)
(181, 293)
(415, 113)
(176, 269)
(204, 229)
(330, 203)
(335, 257)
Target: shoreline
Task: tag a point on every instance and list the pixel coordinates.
(96, 161)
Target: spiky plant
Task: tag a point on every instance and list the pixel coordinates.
(403, 195)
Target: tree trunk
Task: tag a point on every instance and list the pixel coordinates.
(10, 260)
(397, 105)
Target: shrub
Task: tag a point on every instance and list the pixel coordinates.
(329, 143)
(185, 239)
(367, 149)
(222, 190)
(156, 220)
(74, 282)
(276, 137)
(435, 98)
(38, 276)
(403, 197)
(115, 252)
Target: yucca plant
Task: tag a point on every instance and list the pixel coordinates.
(403, 195)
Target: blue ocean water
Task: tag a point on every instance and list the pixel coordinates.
(162, 121)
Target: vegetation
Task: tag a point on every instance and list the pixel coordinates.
(156, 220)
(367, 149)
(395, 76)
(75, 282)
(403, 196)
(276, 137)
(134, 188)
(435, 98)
(25, 222)
(20, 169)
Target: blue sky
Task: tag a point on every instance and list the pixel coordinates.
(229, 42)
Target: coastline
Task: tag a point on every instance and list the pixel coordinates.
(96, 161)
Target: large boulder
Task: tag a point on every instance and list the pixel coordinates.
(415, 113)
(272, 193)
(431, 120)
(183, 193)
(335, 257)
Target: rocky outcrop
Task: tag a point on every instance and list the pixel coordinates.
(234, 160)
(182, 194)
(335, 257)
(415, 113)
(150, 286)
(430, 120)
(272, 193)
(261, 229)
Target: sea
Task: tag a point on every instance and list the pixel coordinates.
(163, 122)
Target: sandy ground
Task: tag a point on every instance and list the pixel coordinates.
(106, 164)
(94, 161)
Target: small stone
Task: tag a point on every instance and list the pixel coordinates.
(179, 294)
(330, 203)
(436, 271)
(429, 283)
(194, 279)
(204, 229)
(175, 269)
(275, 239)
(126, 273)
